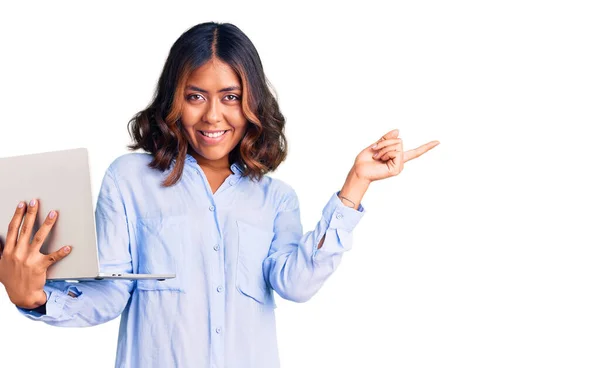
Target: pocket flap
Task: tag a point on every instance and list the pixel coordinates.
(167, 284)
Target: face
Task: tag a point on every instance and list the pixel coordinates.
(213, 105)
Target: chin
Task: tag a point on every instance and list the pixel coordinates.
(211, 154)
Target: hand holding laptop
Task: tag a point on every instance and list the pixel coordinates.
(22, 266)
(63, 179)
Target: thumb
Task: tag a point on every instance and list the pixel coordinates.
(389, 135)
(54, 257)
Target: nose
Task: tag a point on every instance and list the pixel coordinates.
(212, 114)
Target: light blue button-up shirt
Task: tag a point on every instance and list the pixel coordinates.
(229, 250)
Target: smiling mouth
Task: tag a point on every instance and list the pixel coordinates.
(213, 134)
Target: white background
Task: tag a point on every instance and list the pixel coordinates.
(482, 253)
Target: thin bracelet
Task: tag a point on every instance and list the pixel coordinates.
(342, 197)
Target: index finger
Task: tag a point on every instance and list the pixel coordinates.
(13, 228)
(414, 153)
(43, 231)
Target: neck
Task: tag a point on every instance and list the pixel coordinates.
(218, 166)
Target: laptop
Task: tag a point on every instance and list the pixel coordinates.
(61, 181)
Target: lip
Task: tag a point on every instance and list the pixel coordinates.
(209, 140)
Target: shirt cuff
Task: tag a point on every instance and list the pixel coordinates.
(336, 224)
(341, 216)
(56, 302)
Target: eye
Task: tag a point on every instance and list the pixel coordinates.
(191, 97)
(234, 97)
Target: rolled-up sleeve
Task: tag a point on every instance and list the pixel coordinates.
(295, 268)
(95, 302)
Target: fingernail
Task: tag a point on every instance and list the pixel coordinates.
(67, 249)
(375, 155)
(32, 203)
(52, 214)
(374, 146)
(21, 205)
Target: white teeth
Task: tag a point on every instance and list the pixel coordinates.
(213, 135)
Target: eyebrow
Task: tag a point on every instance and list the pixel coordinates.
(227, 89)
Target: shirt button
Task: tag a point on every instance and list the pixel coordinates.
(339, 216)
(219, 288)
(218, 330)
(231, 182)
(216, 247)
(211, 208)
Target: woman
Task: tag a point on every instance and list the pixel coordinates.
(199, 204)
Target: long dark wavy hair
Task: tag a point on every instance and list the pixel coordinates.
(157, 129)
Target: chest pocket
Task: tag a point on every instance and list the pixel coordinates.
(159, 245)
(253, 249)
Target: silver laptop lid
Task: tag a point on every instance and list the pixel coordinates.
(61, 181)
